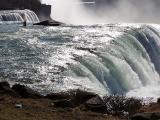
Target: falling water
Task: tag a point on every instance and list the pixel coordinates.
(18, 16)
(105, 59)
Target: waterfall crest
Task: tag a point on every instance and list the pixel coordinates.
(105, 59)
(129, 62)
(18, 16)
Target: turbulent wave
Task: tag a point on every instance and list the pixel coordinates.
(106, 59)
(127, 63)
(18, 16)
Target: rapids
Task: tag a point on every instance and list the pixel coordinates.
(106, 59)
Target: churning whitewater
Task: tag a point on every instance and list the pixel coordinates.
(18, 16)
(105, 59)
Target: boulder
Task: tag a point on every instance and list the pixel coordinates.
(63, 103)
(5, 89)
(49, 23)
(96, 104)
(58, 96)
(4, 85)
(25, 92)
(73, 98)
(61, 99)
(80, 96)
(145, 116)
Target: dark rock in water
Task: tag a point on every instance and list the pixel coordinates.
(49, 23)
(44, 12)
(91, 50)
(96, 104)
(25, 92)
(145, 116)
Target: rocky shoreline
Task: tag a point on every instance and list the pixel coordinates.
(22, 103)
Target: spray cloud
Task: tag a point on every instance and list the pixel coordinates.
(72, 11)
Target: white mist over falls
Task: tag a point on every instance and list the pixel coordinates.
(71, 12)
(107, 59)
(105, 11)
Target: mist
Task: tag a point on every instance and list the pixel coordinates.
(139, 11)
(72, 12)
(115, 11)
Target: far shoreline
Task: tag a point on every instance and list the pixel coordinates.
(22, 103)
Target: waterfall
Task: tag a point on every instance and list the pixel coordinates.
(18, 16)
(105, 59)
(130, 62)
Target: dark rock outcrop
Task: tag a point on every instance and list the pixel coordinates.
(158, 100)
(70, 98)
(114, 105)
(80, 97)
(58, 96)
(63, 103)
(96, 104)
(4, 85)
(25, 92)
(49, 23)
(145, 116)
(5, 89)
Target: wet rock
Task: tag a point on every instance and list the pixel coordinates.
(91, 50)
(96, 104)
(49, 23)
(145, 116)
(25, 92)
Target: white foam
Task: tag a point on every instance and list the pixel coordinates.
(146, 92)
